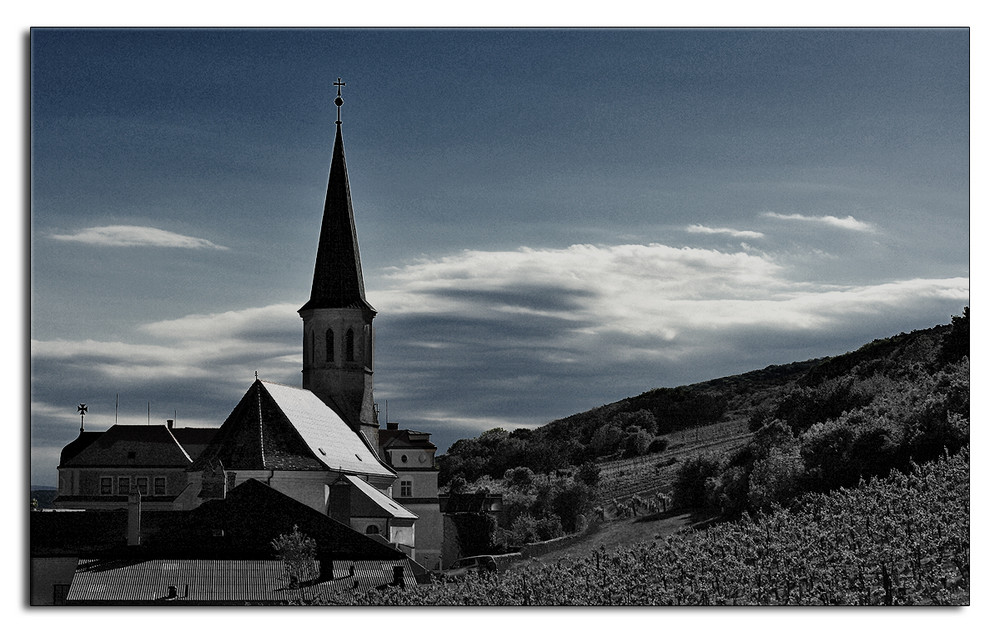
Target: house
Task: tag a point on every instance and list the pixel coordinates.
(289, 439)
(411, 454)
(217, 553)
(98, 470)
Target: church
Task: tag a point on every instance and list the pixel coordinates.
(320, 445)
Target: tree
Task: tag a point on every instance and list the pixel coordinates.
(297, 551)
(589, 474)
(636, 443)
(519, 477)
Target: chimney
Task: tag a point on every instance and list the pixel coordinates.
(170, 424)
(391, 425)
(134, 517)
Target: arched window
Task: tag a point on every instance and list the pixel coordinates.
(311, 349)
(372, 529)
(329, 345)
(369, 346)
(349, 345)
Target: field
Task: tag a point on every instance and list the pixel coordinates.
(900, 540)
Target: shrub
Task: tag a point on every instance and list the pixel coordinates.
(589, 474)
(689, 487)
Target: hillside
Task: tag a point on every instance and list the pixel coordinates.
(649, 423)
(898, 540)
(744, 443)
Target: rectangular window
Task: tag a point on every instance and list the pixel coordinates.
(405, 489)
(142, 485)
(123, 486)
(160, 486)
(59, 592)
(106, 486)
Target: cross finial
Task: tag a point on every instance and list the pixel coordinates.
(339, 100)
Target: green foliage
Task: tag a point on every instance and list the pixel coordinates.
(956, 343)
(901, 540)
(777, 478)
(636, 443)
(589, 474)
(297, 550)
(690, 486)
(477, 533)
(641, 418)
(519, 477)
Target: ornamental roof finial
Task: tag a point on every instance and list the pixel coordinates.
(339, 100)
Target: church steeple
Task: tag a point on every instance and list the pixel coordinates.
(337, 277)
(338, 336)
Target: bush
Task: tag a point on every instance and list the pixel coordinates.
(658, 445)
(689, 487)
(519, 477)
(636, 443)
(589, 474)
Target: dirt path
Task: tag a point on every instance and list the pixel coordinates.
(624, 532)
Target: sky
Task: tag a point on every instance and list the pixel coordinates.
(549, 220)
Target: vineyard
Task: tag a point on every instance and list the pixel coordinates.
(646, 475)
(901, 540)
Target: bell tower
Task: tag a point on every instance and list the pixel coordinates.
(338, 337)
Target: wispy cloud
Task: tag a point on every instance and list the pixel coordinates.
(131, 236)
(846, 223)
(509, 338)
(732, 232)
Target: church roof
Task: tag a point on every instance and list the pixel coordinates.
(277, 427)
(386, 506)
(136, 446)
(337, 278)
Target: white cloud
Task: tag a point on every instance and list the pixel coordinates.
(135, 236)
(644, 292)
(846, 223)
(732, 232)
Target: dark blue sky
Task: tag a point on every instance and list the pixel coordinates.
(549, 219)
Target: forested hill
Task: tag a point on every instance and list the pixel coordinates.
(882, 374)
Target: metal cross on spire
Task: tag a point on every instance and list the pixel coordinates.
(82, 409)
(339, 100)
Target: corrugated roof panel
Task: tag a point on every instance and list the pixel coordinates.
(220, 581)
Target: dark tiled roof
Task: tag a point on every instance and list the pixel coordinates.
(241, 526)
(126, 445)
(337, 278)
(404, 439)
(77, 445)
(194, 440)
(258, 436)
(276, 427)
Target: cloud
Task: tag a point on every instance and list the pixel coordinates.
(136, 236)
(846, 223)
(732, 232)
(511, 338)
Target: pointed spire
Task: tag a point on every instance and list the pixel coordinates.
(337, 278)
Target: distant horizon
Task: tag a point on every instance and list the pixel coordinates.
(549, 220)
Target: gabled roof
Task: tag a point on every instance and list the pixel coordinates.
(125, 445)
(337, 278)
(277, 427)
(241, 526)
